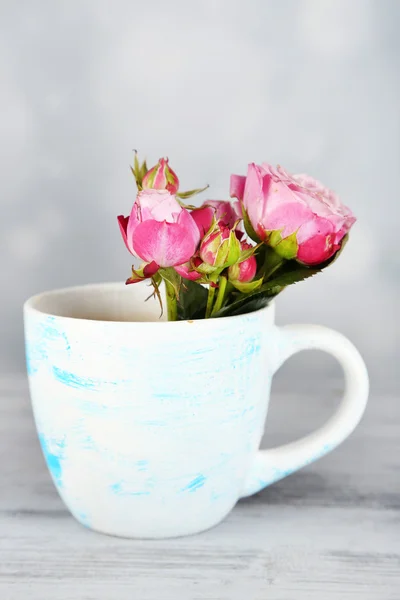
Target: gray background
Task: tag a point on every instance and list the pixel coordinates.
(311, 84)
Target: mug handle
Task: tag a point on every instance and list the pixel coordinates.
(273, 464)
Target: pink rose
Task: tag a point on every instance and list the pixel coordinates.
(295, 214)
(222, 210)
(161, 177)
(159, 230)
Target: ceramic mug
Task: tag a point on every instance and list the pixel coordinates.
(151, 429)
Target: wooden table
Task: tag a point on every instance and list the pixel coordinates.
(331, 531)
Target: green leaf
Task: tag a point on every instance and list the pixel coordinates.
(248, 253)
(286, 247)
(244, 304)
(234, 250)
(272, 262)
(206, 269)
(187, 206)
(247, 288)
(289, 272)
(248, 226)
(192, 301)
(260, 258)
(138, 170)
(143, 170)
(190, 193)
(292, 272)
(136, 178)
(136, 165)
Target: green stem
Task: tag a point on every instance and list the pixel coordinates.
(221, 294)
(272, 263)
(172, 305)
(210, 299)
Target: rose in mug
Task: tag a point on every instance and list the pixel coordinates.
(151, 423)
(224, 259)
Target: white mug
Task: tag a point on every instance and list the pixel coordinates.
(150, 428)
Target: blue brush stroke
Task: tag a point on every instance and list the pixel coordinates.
(31, 367)
(153, 423)
(53, 459)
(83, 519)
(35, 354)
(142, 465)
(38, 338)
(118, 489)
(83, 383)
(74, 381)
(195, 484)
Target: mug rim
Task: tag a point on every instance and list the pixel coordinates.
(29, 306)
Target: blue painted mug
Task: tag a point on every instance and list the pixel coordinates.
(151, 429)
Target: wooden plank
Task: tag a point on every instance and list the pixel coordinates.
(329, 531)
(284, 552)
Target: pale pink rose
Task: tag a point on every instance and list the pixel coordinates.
(279, 205)
(159, 230)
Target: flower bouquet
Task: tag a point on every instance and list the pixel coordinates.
(228, 258)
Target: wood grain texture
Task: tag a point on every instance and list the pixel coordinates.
(331, 530)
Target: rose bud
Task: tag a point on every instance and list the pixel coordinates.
(161, 177)
(245, 271)
(219, 249)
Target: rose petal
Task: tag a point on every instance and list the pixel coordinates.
(159, 205)
(168, 244)
(123, 225)
(253, 198)
(187, 272)
(203, 218)
(317, 250)
(150, 269)
(224, 211)
(237, 186)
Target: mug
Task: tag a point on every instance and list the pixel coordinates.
(150, 428)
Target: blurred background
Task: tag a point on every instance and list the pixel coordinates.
(313, 85)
